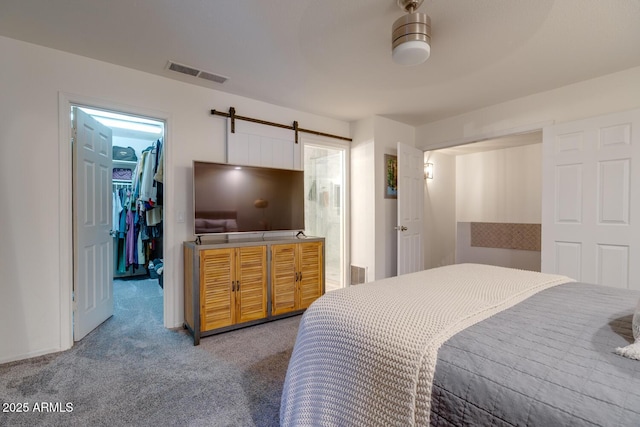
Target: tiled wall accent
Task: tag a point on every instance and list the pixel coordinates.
(506, 235)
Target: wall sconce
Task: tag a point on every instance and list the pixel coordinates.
(428, 171)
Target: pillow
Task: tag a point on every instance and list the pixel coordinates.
(210, 225)
(232, 225)
(632, 351)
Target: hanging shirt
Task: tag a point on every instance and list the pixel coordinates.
(117, 208)
(154, 216)
(132, 255)
(147, 187)
(159, 176)
(142, 256)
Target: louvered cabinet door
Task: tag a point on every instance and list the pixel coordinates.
(251, 283)
(283, 278)
(229, 285)
(310, 270)
(217, 300)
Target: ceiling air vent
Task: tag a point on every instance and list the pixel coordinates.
(184, 69)
(213, 77)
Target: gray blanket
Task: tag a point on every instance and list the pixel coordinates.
(548, 361)
(366, 355)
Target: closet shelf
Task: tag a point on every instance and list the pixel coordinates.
(124, 163)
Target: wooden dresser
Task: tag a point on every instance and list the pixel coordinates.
(229, 284)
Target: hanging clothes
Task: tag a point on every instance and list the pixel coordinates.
(148, 191)
(141, 256)
(123, 195)
(131, 239)
(124, 199)
(159, 175)
(117, 208)
(141, 215)
(154, 216)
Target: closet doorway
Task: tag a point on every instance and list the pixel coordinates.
(117, 197)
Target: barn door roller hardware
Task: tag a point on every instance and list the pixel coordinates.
(233, 116)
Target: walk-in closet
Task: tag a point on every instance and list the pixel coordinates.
(118, 173)
(137, 177)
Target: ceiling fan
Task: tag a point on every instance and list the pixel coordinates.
(411, 35)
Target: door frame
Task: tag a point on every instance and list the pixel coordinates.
(346, 195)
(65, 155)
(479, 137)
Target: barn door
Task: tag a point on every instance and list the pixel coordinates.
(591, 200)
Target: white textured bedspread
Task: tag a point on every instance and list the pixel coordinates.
(366, 355)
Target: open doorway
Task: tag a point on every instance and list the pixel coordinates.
(325, 189)
(493, 181)
(117, 197)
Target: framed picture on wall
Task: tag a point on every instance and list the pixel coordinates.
(390, 176)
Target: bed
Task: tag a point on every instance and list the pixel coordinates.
(462, 345)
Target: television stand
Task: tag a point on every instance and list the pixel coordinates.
(237, 283)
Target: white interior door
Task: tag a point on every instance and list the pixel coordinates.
(92, 201)
(591, 203)
(410, 208)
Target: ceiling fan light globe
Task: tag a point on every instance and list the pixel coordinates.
(413, 52)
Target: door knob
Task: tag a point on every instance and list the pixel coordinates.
(401, 228)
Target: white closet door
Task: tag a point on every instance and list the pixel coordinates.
(253, 144)
(92, 210)
(591, 200)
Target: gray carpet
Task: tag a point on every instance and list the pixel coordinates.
(133, 371)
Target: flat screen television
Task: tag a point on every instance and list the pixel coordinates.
(243, 199)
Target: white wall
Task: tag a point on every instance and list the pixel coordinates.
(500, 185)
(440, 211)
(492, 186)
(362, 203)
(34, 255)
(607, 94)
(373, 237)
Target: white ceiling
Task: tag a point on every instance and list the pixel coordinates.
(332, 57)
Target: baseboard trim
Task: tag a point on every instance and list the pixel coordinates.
(29, 355)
